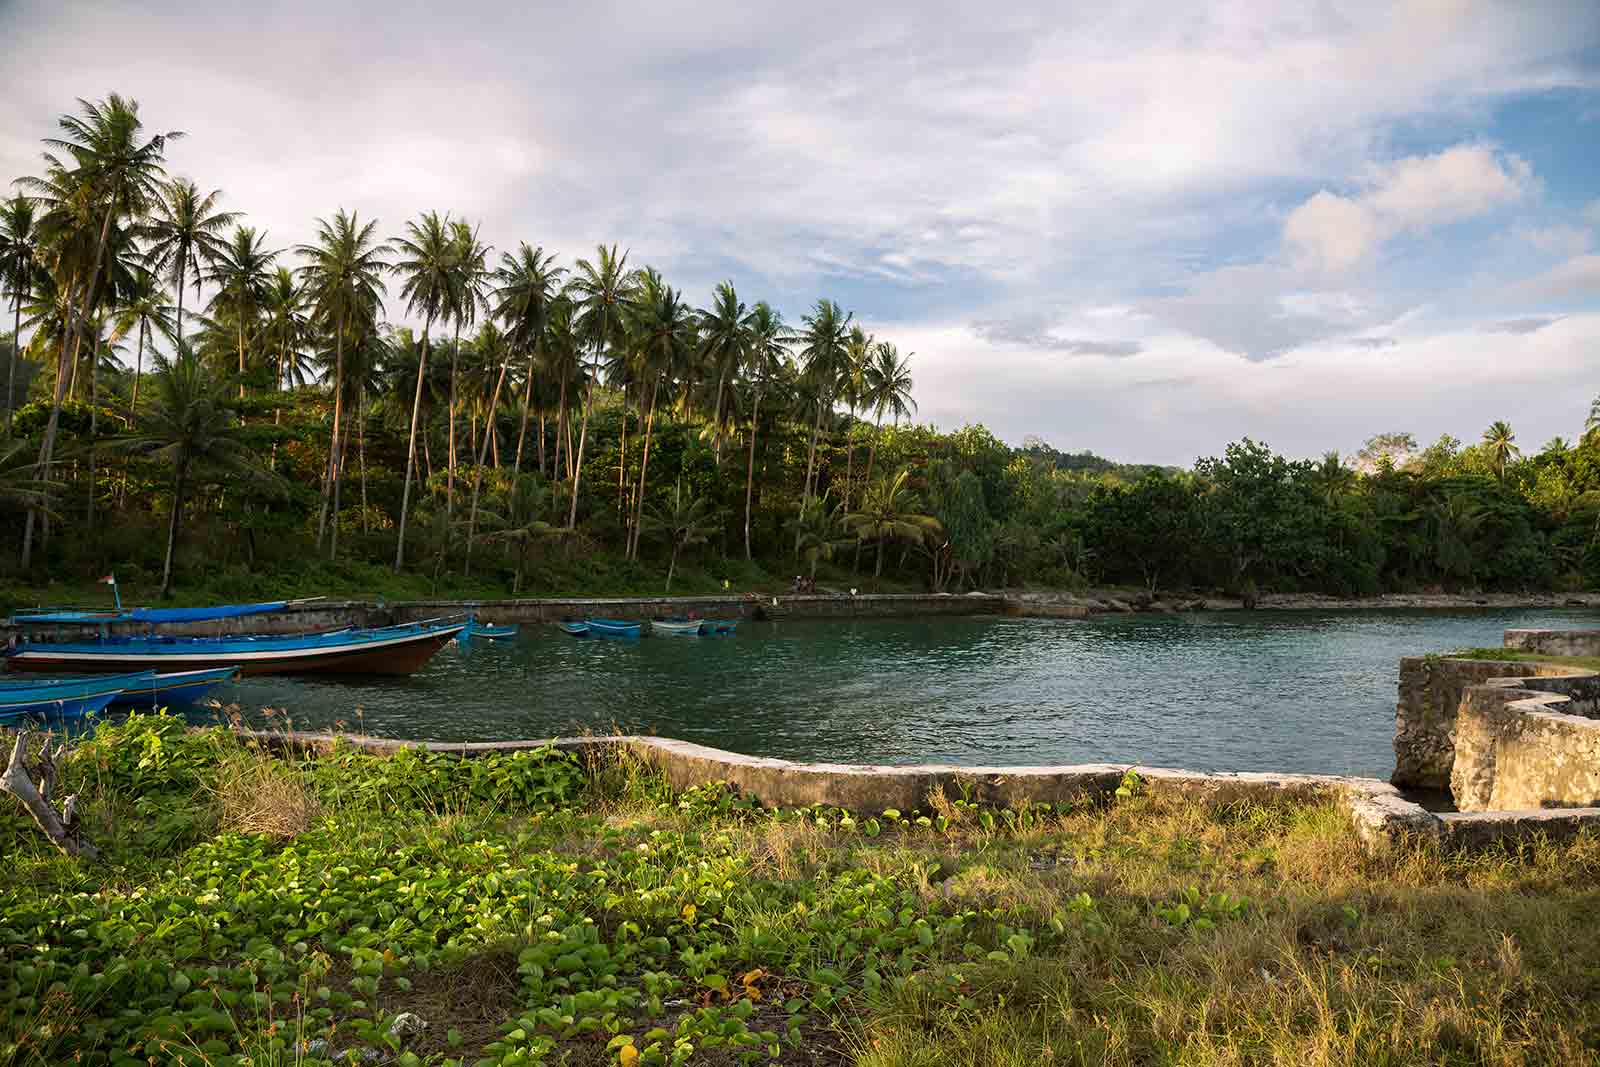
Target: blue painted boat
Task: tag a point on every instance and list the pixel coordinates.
(719, 626)
(73, 617)
(614, 628)
(387, 650)
(576, 629)
(491, 633)
(675, 627)
(177, 689)
(64, 698)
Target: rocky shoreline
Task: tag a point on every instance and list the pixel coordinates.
(1082, 604)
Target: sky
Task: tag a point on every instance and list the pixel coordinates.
(1143, 229)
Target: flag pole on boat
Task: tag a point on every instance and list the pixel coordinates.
(111, 580)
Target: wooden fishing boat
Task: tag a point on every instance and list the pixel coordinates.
(176, 689)
(675, 627)
(388, 650)
(576, 629)
(614, 628)
(64, 698)
(723, 627)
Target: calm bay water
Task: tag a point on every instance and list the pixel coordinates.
(1288, 691)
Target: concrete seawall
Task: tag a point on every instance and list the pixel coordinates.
(331, 614)
(1381, 815)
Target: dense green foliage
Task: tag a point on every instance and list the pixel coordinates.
(575, 427)
(536, 911)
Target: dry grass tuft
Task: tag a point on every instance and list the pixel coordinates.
(258, 794)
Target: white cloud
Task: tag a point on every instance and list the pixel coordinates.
(1577, 277)
(1331, 234)
(1562, 240)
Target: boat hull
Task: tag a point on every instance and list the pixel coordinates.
(614, 628)
(174, 690)
(398, 655)
(576, 629)
(675, 627)
(65, 708)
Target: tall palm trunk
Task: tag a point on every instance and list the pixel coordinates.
(561, 422)
(716, 419)
(622, 459)
(541, 441)
(330, 489)
(180, 299)
(338, 493)
(522, 432)
(47, 447)
(179, 484)
(811, 463)
(583, 436)
(450, 474)
(750, 471)
(138, 370)
(361, 453)
(644, 467)
(94, 412)
(872, 454)
(16, 357)
(849, 457)
(241, 350)
(411, 449)
(477, 474)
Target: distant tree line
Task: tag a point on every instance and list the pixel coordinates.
(182, 395)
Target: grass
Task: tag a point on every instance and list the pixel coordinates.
(1510, 655)
(535, 911)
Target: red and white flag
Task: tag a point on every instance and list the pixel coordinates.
(110, 579)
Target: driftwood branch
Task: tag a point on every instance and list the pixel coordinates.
(60, 827)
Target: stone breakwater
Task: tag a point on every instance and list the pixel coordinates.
(1503, 735)
(1379, 812)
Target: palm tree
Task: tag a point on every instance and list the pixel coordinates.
(725, 337)
(19, 250)
(765, 353)
(663, 332)
(429, 290)
(190, 425)
(888, 513)
(888, 388)
(817, 527)
(1502, 446)
(529, 284)
(601, 292)
(1333, 478)
(286, 328)
(142, 309)
(564, 363)
(687, 522)
(492, 346)
(240, 269)
(853, 391)
(344, 279)
(112, 172)
(823, 351)
(470, 277)
(525, 524)
(19, 487)
(1592, 423)
(184, 234)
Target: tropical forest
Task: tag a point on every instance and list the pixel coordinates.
(418, 407)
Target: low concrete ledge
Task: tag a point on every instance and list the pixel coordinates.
(1380, 813)
(1379, 810)
(1554, 642)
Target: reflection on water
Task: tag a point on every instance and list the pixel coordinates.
(1290, 691)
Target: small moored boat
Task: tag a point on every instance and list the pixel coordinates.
(675, 627)
(576, 629)
(64, 698)
(490, 632)
(614, 628)
(719, 626)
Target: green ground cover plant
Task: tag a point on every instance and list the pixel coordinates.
(1512, 655)
(531, 908)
